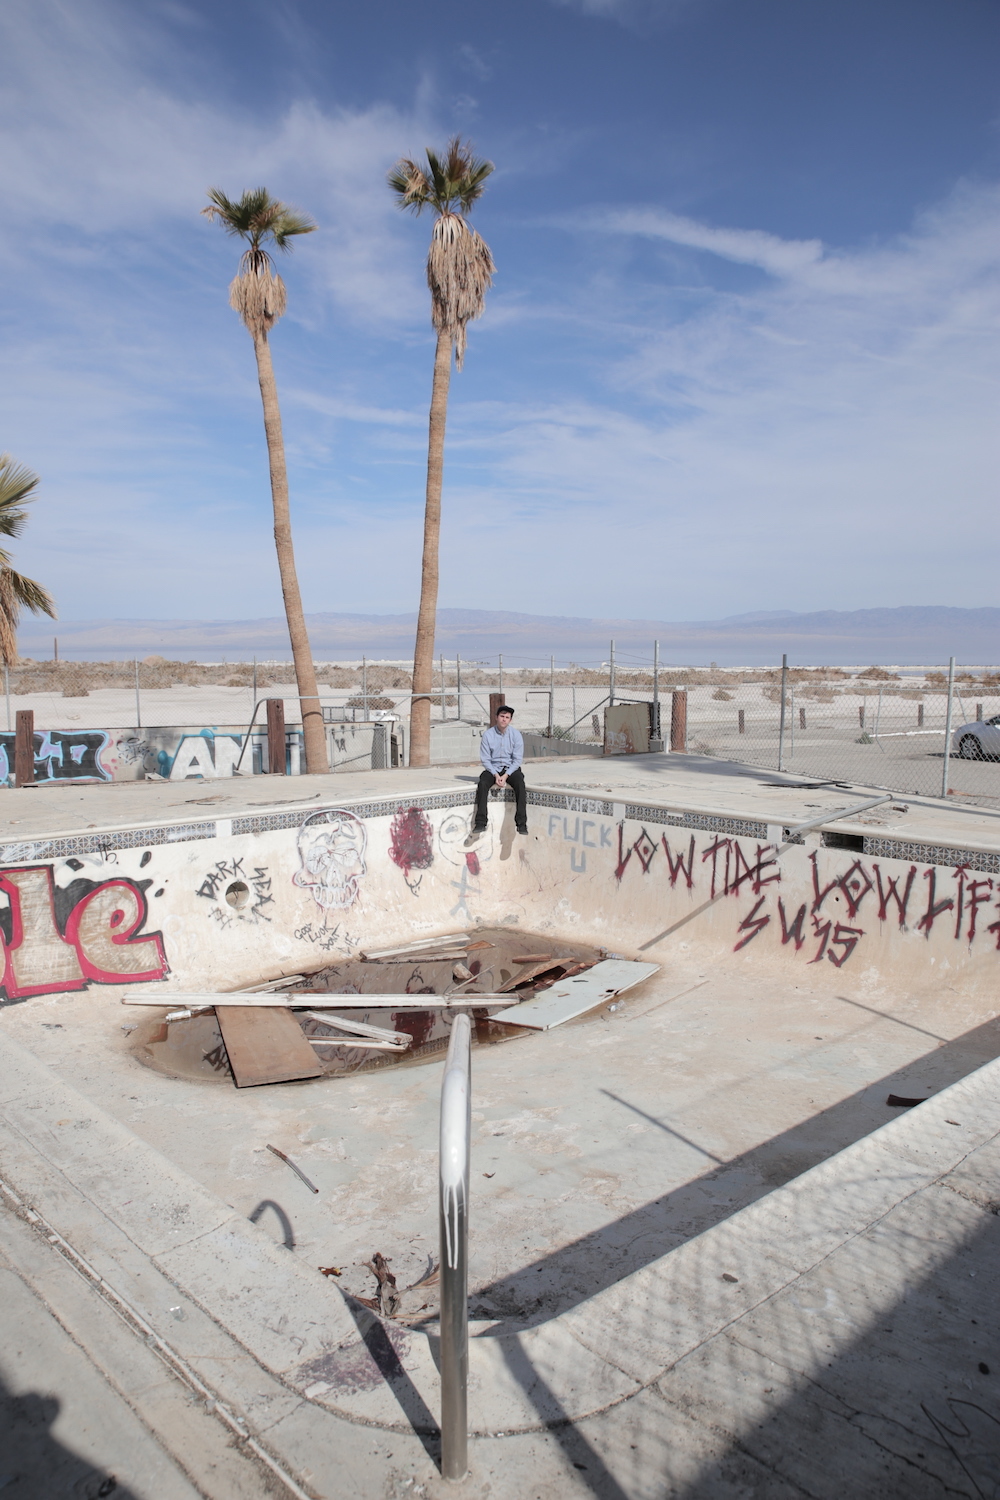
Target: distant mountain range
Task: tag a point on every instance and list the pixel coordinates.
(912, 635)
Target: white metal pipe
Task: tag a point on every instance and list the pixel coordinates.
(947, 728)
(456, 1124)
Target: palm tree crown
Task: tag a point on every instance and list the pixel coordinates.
(257, 292)
(16, 591)
(459, 264)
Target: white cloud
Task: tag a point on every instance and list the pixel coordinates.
(753, 247)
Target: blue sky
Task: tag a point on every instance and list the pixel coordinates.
(741, 352)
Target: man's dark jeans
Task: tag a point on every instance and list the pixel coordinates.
(515, 780)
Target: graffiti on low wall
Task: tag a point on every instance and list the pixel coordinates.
(63, 755)
(66, 937)
(175, 753)
(839, 912)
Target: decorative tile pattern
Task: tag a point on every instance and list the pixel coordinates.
(746, 828)
(571, 804)
(101, 842)
(934, 854)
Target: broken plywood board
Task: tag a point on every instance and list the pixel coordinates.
(265, 1045)
(572, 997)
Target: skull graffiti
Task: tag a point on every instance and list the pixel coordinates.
(332, 855)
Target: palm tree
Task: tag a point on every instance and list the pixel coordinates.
(16, 591)
(258, 294)
(459, 273)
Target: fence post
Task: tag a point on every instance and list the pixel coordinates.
(443, 693)
(781, 720)
(456, 1119)
(979, 713)
(947, 729)
(276, 736)
(500, 659)
(611, 678)
(496, 701)
(364, 686)
(552, 695)
(458, 683)
(6, 689)
(679, 720)
(920, 716)
(24, 747)
(656, 739)
(802, 718)
(138, 705)
(741, 716)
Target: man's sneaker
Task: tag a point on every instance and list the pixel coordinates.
(474, 837)
(522, 830)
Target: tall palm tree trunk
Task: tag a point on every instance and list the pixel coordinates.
(423, 650)
(305, 672)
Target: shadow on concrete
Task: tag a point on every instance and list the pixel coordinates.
(907, 1410)
(555, 1283)
(34, 1464)
(287, 1232)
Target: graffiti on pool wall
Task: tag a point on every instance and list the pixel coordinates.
(840, 912)
(61, 755)
(331, 858)
(237, 893)
(66, 937)
(411, 844)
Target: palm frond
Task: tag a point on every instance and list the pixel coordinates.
(257, 294)
(450, 182)
(17, 593)
(459, 273)
(16, 486)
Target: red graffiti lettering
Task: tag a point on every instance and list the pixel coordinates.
(976, 901)
(891, 893)
(935, 909)
(788, 933)
(677, 866)
(752, 925)
(100, 940)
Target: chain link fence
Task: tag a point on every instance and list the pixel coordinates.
(874, 726)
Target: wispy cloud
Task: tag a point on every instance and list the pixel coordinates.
(752, 247)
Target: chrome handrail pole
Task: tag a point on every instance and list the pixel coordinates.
(456, 1125)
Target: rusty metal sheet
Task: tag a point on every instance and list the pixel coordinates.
(265, 1045)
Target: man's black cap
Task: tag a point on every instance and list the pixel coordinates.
(504, 708)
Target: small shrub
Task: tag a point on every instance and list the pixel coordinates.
(721, 696)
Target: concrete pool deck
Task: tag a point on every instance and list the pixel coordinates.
(625, 1169)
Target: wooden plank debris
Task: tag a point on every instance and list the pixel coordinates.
(425, 956)
(528, 973)
(265, 1044)
(303, 999)
(573, 997)
(531, 958)
(448, 940)
(401, 1039)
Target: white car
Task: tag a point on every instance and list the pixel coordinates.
(979, 740)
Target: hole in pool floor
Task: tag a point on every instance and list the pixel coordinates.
(494, 957)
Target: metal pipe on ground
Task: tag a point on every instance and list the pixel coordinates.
(456, 1125)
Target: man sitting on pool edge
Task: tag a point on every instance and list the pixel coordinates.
(501, 751)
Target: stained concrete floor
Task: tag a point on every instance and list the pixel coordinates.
(609, 1142)
(596, 1147)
